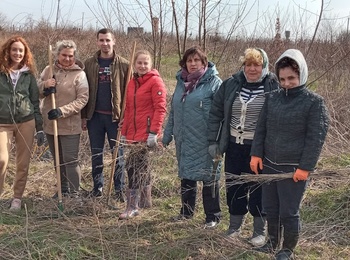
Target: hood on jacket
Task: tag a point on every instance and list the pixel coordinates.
(78, 65)
(300, 60)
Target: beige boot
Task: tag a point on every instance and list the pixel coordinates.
(146, 197)
(132, 201)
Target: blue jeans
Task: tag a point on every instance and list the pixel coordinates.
(98, 126)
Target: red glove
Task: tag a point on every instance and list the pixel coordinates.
(300, 175)
(256, 164)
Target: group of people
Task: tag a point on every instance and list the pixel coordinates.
(259, 122)
(88, 96)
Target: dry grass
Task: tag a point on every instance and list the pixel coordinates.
(91, 230)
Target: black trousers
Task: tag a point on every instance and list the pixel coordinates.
(282, 199)
(245, 197)
(211, 201)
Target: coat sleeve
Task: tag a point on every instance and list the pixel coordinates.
(159, 106)
(82, 96)
(216, 114)
(84, 109)
(316, 131)
(260, 132)
(41, 81)
(34, 98)
(127, 111)
(169, 128)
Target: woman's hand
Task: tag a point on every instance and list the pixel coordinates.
(256, 164)
(300, 175)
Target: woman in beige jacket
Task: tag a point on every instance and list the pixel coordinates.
(70, 86)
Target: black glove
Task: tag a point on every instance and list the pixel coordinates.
(40, 138)
(54, 114)
(49, 91)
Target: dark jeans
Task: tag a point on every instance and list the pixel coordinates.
(68, 146)
(98, 126)
(137, 167)
(282, 199)
(211, 203)
(245, 197)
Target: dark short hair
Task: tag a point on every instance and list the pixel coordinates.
(104, 31)
(287, 62)
(192, 51)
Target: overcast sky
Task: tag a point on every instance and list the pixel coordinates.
(77, 12)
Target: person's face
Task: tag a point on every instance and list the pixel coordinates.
(288, 78)
(16, 53)
(194, 63)
(143, 64)
(106, 42)
(252, 71)
(66, 57)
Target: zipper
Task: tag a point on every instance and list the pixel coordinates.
(148, 125)
(134, 112)
(111, 82)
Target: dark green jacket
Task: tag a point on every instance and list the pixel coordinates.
(292, 128)
(20, 104)
(221, 109)
(119, 71)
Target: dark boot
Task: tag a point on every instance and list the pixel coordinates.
(274, 231)
(290, 240)
(132, 201)
(146, 197)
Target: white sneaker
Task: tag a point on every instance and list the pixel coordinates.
(210, 224)
(258, 241)
(232, 233)
(129, 214)
(16, 205)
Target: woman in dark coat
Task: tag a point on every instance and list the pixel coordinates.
(289, 137)
(232, 123)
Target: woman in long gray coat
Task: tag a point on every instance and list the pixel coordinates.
(197, 82)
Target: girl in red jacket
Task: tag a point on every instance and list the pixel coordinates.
(144, 115)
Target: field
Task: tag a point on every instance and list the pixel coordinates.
(91, 230)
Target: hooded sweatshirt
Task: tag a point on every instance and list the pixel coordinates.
(293, 123)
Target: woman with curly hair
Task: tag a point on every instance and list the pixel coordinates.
(20, 113)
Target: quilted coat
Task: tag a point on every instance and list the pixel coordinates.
(188, 123)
